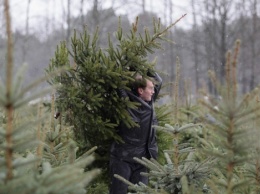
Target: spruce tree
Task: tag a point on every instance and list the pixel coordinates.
(22, 166)
(232, 135)
(88, 97)
(229, 150)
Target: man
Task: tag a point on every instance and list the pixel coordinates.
(139, 141)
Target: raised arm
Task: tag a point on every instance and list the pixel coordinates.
(157, 84)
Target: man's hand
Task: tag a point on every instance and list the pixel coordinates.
(150, 73)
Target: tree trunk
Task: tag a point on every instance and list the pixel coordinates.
(68, 22)
(172, 55)
(9, 106)
(195, 46)
(243, 60)
(25, 41)
(253, 44)
(82, 14)
(95, 12)
(143, 6)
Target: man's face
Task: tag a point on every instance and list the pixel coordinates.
(147, 93)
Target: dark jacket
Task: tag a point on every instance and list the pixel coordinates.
(139, 141)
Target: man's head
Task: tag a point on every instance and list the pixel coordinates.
(144, 88)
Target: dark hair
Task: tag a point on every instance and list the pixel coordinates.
(140, 82)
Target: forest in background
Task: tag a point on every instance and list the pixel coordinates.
(224, 133)
(215, 26)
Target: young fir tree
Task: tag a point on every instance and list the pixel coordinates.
(184, 171)
(251, 168)
(88, 98)
(22, 167)
(233, 134)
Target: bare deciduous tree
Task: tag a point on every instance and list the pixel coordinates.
(68, 21)
(25, 41)
(253, 42)
(195, 45)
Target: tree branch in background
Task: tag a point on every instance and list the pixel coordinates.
(25, 41)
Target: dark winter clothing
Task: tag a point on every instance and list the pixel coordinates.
(139, 141)
(129, 170)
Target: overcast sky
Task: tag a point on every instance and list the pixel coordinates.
(42, 11)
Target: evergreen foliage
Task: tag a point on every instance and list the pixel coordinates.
(39, 155)
(88, 96)
(233, 134)
(184, 170)
(182, 166)
(23, 169)
(27, 164)
(226, 158)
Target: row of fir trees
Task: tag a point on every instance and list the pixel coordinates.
(59, 146)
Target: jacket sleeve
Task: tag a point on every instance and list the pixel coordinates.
(158, 84)
(122, 93)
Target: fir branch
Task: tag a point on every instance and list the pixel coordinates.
(166, 29)
(168, 158)
(52, 111)
(86, 154)
(124, 180)
(185, 185)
